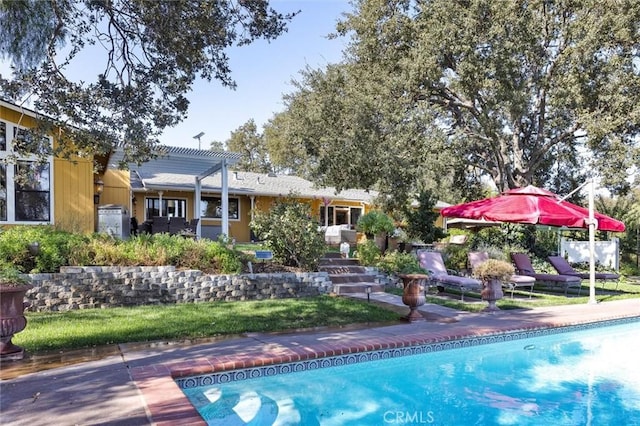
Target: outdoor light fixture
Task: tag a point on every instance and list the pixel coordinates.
(99, 188)
(368, 291)
(34, 248)
(198, 136)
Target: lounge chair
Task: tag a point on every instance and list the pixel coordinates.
(563, 267)
(524, 267)
(432, 262)
(477, 257)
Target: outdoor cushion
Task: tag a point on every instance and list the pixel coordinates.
(563, 267)
(432, 262)
(477, 257)
(524, 267)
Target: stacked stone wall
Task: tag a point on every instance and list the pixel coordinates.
(104, 287)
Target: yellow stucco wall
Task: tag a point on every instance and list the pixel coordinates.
(72, 188)
(73, 195)
(238, 229)
(116, 188)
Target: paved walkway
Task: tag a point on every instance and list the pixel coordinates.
(134, 385)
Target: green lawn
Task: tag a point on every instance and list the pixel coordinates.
(627, 289)
(93, 327)
(47, 331)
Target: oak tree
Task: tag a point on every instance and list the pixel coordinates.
(521, 92)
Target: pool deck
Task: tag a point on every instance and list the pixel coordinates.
(133, 384)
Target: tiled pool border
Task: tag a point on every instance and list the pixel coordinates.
(381, 354)
(167, 405)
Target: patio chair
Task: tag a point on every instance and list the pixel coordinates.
(159, 224)
(563, 267)
(477, 257)
(432, 262)
(177, 225)
(524, 267)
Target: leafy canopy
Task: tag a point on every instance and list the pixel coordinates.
(150, 53)
(443, 93)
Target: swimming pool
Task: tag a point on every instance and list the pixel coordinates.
(587, 376)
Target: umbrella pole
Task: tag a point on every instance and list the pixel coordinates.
(592, 246)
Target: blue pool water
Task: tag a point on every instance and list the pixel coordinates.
(586, 377)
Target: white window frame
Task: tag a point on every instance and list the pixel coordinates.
(11, 129)
(204, 199)
(163, 207)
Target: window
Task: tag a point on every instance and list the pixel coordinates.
(3, 136)
(211, 207)
(170, 207)
(323, 221)
(3, 192)
(355, 214)
(340, 215)
(27, 198)
(32, 197)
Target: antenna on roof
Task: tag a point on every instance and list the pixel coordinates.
(198, 136)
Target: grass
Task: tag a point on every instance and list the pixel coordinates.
(541, 297)
(248, 247)
(49, 331)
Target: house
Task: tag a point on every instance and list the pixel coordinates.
(60, 191)
(67, 192)
(184, 183)
(167, 187)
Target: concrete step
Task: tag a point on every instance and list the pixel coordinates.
(351, 278)
(358, 288)
(328, 261)
(342, 269)
(332, 255)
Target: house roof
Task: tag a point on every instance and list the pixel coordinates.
(177, 171)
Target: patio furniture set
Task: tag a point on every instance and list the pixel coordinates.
(525, 277)
(169, 225)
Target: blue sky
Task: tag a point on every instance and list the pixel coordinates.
(263, 72)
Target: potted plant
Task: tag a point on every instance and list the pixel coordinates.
(376, 224)
(492, 273)
(13, 287)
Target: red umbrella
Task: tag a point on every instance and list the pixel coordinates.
(531, 205)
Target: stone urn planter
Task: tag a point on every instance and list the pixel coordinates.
(493, 272)
(12, 319)
(413, 295)
(492, 292)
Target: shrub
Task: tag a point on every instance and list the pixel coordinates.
(368, 253)
(289, 231)
(59, 248)
(400, 263)
(421, 220)
(375, 222)
(455, 256)
(224, 259)
(56, 248)
(494, 268)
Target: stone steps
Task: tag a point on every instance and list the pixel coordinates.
(348, 276)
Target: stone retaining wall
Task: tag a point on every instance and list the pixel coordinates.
(108, 286)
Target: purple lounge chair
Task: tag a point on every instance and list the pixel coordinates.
(432, 262)
(524, 267)
(477, 257)
(563, 267)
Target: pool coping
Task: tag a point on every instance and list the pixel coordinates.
(166, 404)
